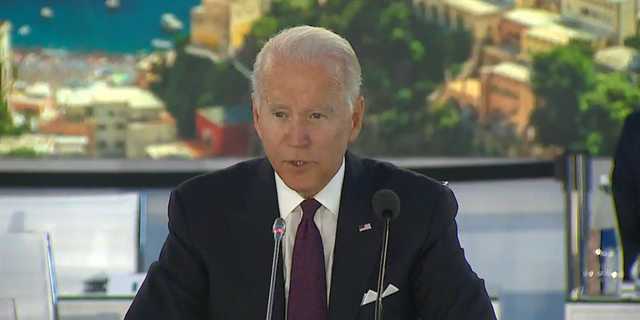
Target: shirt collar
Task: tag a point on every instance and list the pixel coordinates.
(329, 196)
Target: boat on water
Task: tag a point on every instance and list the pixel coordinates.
(47, 13)
(171, 23)
(24, 30)
(162, 44)
(112, 5)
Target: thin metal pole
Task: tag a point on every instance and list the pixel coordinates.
(577, 187)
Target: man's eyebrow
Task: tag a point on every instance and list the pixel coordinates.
(325, 108)
(277, 106)
(280, 107)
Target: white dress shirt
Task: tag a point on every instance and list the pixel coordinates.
(326, 220)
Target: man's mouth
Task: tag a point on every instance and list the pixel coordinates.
(298, 163)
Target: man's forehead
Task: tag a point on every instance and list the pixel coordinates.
(277, 65)
(286, 107)
(301, 85)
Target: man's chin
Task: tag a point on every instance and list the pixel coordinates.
(300, 185)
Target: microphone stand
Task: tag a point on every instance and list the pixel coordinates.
(277, 237)
(383, 269)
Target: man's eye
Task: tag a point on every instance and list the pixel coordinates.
(317, 116)
(279, 114)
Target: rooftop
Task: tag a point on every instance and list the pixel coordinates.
(559, 34)
(21, 105)
(513, 71)
(99, 94)
(135, 97)
(618, 58)
(531, 17)
(474, 7)
(61, 126)
(169, 150)
(596, 30)
(165, 119)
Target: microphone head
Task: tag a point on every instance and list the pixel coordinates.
(386, 205)
(279, 227)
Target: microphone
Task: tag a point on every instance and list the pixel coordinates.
(279, 228)
(386, 206)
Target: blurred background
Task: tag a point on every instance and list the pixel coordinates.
(106, 105)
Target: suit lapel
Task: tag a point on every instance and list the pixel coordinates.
(254, 240)
(356, 253)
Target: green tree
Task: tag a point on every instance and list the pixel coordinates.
(24, 153)
(403, 59)
(560, 78)
(5, 119)
(194, 82)
(632, 42)
(452, 130)
(580, 108)
(603, 111)
(7, 127)
(182, 87)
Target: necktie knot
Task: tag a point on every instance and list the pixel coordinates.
(309, 208)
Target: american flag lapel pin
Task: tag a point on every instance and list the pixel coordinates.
(364, 227)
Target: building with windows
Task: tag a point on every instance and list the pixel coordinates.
(507, 34)
(506, 92)
(617, 18)
(221, 25)
(546, 37)
(476, 16)
(125, 119)
(225, 130)
(526, 31)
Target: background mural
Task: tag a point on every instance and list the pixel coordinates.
(442, 78)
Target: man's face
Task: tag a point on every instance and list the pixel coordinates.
(305, 123)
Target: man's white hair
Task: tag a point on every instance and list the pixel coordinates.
(310, 44)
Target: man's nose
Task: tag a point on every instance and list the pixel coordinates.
(299, 134)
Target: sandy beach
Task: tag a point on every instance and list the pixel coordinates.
(61, 68)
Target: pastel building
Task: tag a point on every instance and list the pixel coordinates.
(125, 119)
(506, 91)
(226, 131)
(615, 18)
(476, 16)
(221, 25)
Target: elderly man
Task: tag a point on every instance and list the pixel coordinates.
(216, 260)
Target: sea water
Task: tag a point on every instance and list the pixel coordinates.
(87, 25)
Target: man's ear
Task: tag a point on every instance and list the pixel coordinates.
(256, 116)
(356, 119)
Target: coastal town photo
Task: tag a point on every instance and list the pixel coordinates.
(143, 79)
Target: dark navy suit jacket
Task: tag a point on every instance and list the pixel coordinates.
(216, 261)
(626, 193)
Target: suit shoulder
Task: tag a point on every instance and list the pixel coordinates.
(402, 180)
(630, 129)
(633, 120)
(229, 180)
